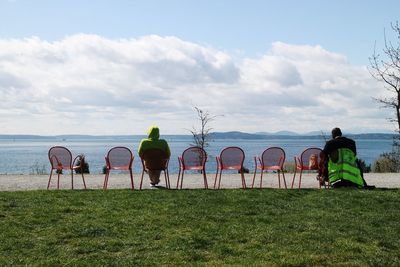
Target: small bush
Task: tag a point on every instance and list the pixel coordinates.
(289, 167)
(85, 166)
(37, 168)
(364, 167)
(104, 169)
(387, 162)
(244, 170)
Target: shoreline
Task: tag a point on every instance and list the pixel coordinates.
(21, 182)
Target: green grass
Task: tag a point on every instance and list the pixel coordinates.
(199, 227)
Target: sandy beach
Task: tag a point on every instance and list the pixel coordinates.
(191, 181)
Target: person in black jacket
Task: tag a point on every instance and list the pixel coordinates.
(338, 141)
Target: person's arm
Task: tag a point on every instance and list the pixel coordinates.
(140, 150)
(167, 150)
(326, 149)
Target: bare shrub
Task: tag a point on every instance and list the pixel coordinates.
(289, 167)
(387, 162)
(38, 168)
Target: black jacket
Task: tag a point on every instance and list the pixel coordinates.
(339, 142)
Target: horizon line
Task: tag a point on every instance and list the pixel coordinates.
(279, 133)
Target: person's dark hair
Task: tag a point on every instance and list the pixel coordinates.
(336, 132)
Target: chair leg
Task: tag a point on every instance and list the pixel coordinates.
(205, 180)
(72, 179)
(83, 179)
(183, 172)
(215, 180)
(166, 181)
(261, 178)
(254, 177)
(243, 180)
(220, 175)
(169, 182)
(301, 172)
(106, 179)
(319, 182)
(279, 179)
(58, 180)
(284, 179)
(51, 173)
(131, 174)
(294, 177)
(179, 175)
(141, 180)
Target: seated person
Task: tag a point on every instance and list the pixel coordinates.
(341, 167)
(152, 142)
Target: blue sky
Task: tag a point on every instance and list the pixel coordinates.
(264, 52)
(343, 26)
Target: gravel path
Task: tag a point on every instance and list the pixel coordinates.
(270, 180)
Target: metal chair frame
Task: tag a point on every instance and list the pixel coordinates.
(220, 166)
(57, 164)
(298, 163)
(264, 165)
(184, 165)
(110, 166)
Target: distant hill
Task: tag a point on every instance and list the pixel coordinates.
(287, 133)
(371, 136)
(60, 137)
(214, 135)
(236, 135)
(318, 133)
(23, 137)
(292, 135)
(256, 136)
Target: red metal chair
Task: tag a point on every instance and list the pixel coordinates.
(118, 158)
(193, 158)
(155, 159)
(231, 158)
(272, 159)
(309, 160)
(61, 159)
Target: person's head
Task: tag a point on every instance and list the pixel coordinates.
(153, 132)
(336, 132)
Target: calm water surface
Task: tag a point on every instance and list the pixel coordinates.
(23, 156)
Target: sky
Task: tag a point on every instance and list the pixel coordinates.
(117, 67)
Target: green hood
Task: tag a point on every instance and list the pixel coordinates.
(153, 141)
(153, 132)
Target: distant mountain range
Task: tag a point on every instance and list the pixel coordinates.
(289, 133)
(214, 135)
(293, 135)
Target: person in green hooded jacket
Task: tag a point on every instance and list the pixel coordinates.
(153, 141)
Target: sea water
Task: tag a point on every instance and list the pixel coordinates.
(27, 156)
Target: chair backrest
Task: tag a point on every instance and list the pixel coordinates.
(60, 157)
(155, 159)
(119, 156)
(311, 158)
(273, 156)
(232, 157)
(194, 157)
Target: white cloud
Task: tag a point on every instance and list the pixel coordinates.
(90, 84)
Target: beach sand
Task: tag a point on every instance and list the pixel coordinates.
(191, 181)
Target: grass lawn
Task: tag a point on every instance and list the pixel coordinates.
(199, 227)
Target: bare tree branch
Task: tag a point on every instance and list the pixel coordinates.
(386, 69)
(201, 137)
